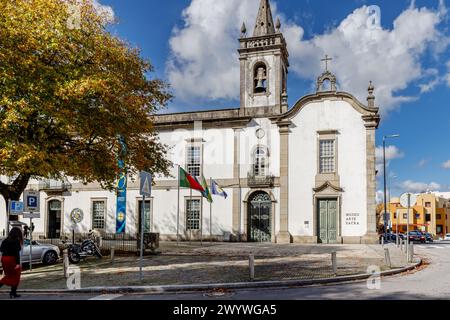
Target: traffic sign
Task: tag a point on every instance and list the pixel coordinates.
(404, 199)
(31, 199)
(15, 207)
(32, 215)
(145, 186)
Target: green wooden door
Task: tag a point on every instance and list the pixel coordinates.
(327, 224)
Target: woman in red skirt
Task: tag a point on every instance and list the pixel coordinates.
(10, 250)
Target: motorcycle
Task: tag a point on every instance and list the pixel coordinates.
(87, 248)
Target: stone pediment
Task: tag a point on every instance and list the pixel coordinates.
(328, 186)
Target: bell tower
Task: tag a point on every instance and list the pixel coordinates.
(264, 65)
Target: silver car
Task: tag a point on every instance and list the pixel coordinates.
(41, 253)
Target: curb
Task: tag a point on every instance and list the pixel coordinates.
(166, 289)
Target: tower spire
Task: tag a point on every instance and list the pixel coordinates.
(264, 21)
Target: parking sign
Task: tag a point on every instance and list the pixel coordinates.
(31, 200)
(15, 207)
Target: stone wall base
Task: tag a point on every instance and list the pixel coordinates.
(283, 237)
(370, 238)
(305, 239)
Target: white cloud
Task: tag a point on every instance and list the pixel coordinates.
(379, 196)
(106, 11)
(417, 187)
(390, 58)
(422, 163)
(447, 78)
(446, 164)
(392, 152)
(204, 62)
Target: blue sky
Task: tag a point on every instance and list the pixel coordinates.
(192, 44)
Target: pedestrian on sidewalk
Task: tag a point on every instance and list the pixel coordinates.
(10, 249)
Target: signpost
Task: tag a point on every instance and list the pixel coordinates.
(145, 190)
(31, 199)
(406, 200)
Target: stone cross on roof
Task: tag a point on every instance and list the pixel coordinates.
(326, 59)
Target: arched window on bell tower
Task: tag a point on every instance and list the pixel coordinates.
(260, 78)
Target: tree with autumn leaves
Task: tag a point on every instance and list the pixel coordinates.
(68, 90)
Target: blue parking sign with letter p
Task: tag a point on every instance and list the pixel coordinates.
(31, 200)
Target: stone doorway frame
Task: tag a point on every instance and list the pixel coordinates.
(245, 236)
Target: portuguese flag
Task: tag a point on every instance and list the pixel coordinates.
(188, 181)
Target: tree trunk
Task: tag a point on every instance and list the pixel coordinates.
(13, 191)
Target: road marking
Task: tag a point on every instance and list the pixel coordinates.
(435, 247)
(107, 297)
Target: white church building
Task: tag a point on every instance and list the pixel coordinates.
(293, 174)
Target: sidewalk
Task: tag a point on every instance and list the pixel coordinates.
(220, 263)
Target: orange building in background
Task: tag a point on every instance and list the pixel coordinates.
(431, 214)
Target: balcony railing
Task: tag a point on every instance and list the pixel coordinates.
(260, 181)
(55, 185)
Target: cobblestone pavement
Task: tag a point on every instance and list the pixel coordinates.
(220, 262)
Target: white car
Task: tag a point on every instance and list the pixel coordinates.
(447, 236)
(41, 253)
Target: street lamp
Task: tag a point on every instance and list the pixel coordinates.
(389, 193)
(384, 176)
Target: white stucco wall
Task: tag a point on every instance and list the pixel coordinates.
(303, 160)
(218, 152)
(249, 141)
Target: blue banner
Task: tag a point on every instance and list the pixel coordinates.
(121, 205)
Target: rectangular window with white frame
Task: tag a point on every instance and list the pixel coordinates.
(194, 160)
(193, 214)
(327, 156)
(99, 214)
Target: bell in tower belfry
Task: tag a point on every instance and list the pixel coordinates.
(264, 63)
(260, 80)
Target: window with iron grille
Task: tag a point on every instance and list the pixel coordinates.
(98, 214)
(193, 214)
(194, 160)
(260, 162)
(327, 156)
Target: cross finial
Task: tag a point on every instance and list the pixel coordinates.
(326, 59)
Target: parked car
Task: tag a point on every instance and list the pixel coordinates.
(41, 253)
(416, 236)
(447, 236)
(428, 237)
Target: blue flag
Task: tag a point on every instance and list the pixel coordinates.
(217, 190)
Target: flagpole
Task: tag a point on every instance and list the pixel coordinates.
(178, 206)
(190, 209)
(210, 213)
(201, 221)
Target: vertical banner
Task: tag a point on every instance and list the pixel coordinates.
(121, 205)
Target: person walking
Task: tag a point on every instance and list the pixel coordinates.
(10, 249)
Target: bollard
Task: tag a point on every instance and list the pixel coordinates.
(411, 252)
(401, 245)
(112, 254)
(387, 257)
(66, 263)
(251, 266)
(334, 262)
(397, 241)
